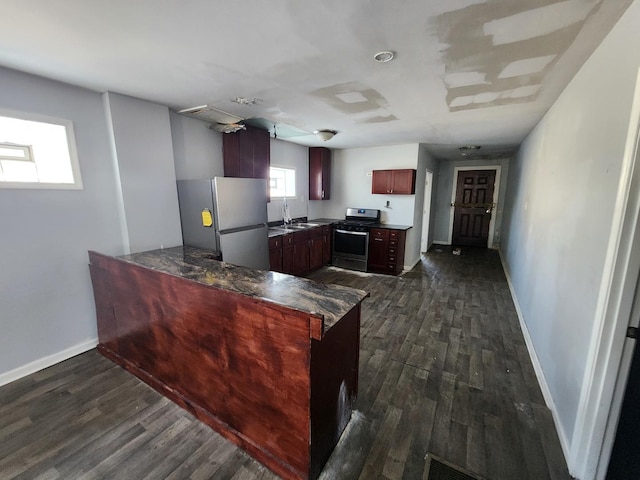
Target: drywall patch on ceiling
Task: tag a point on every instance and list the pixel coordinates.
(511, 68)
(352, 97)
(523, 91)
(380, 119)
(538, 21)
(526, 66)
(342, 97)
(463, 79)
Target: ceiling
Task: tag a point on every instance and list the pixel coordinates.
(466, 72)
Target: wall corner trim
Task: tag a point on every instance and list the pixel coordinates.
(49, 360)
(537, 366)
(407, 268)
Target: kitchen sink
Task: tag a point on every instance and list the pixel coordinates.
(294, 227)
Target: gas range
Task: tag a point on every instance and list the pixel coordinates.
(351, 238)
(359, 220)
(354, 225)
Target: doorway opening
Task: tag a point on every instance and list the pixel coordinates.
(426, 212)
(474, 196)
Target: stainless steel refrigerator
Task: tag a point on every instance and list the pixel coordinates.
(228, 215)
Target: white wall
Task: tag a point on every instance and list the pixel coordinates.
(197, 149)
(46, 302)
(351, 187)
(129, 200)
(143, 151)
(560, 204)
(426, 162)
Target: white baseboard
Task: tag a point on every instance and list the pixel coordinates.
(546, 392)
(440, 242)
(47, 361)
(406, 268)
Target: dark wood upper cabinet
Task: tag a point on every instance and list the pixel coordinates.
(319, 173)
(394, 182)
(246, 153)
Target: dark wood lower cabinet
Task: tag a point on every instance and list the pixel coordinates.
(262, 374)
(299, 253)
(326, 244)
(316, 249)
(386, 251)
(275, 254)
(288, 256)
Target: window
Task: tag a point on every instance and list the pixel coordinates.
(282, 182)
(37, 153)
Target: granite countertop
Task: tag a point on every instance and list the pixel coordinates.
(278, 230)
(326, 221)
(389, 226)
(329, 301)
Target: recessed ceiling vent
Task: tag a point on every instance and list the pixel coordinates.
(221, 121)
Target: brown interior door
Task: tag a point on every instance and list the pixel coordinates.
(473, 207)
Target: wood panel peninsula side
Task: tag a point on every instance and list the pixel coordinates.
(268, 360)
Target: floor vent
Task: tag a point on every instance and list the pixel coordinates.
(438, 469)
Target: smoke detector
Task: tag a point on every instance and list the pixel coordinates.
(384, 57)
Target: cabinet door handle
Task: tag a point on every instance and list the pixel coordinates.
(322, 193)
(378, 239)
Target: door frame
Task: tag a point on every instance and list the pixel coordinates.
(609, 359)
(426, 211)
(496, 196)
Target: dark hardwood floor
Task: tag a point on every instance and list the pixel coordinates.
(443, 369)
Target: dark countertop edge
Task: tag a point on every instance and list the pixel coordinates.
(329, 318)
(392, 227)
(331, 221)
(326, 221)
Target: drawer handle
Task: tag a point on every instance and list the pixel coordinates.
(378, 239)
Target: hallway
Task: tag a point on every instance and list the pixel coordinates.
(443, 369)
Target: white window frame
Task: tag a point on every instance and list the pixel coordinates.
(295, 180)
(73, 153)
(28, 152)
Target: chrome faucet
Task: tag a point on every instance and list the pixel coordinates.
(286, 216)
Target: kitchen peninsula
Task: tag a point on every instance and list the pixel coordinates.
(268, 360)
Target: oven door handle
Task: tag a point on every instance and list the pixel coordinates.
(352, 233)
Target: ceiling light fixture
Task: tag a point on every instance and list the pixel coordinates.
(383, 57)
(325, 135)
(467, 149)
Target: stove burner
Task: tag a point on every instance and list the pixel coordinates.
(356, 225)
(359, 220)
